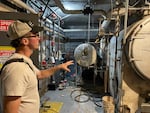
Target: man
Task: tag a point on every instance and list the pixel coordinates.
(19, 79)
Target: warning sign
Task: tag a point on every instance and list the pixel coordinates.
(5, 52)
(4, 24)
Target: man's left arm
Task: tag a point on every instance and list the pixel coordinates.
(49, 72)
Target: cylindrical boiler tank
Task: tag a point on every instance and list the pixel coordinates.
(132, 60)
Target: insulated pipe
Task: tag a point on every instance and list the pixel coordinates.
(25, 6)
(105, 23)
(6, 8)
(51, 9)
(89, 21)
(126, 21)
(103, 26)
(22, 4)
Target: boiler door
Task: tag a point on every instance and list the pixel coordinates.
(139, 48)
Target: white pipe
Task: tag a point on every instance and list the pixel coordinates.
(89, 21)
(126, 21)
(78, 30)
(50, 22)
(25, 6)
(22, 4)
(105, 24)
(5, 8)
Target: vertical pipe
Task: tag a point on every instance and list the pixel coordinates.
(125, 20)
(58, 39)
(89, 19)
(124, 41)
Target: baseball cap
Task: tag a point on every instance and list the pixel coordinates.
(19, 28)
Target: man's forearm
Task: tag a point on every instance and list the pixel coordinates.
(49, 72)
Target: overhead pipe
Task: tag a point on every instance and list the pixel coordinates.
(103, 26)
(78, 30)
(123, 11)
(6, 8)
(126, 21)
(96, 12)
(22, 4)
(25, 6)
(107, 19)
(46, 19)
(50, 22)
(51, 9)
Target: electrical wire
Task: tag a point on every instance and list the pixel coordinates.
(82, 93)
(98, 102)
(90, 97)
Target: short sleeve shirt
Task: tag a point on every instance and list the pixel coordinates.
(19, 79)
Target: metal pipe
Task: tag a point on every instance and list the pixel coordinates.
(22, 4)
(126, 21)
(50, 22)
(6, 8)
(89, 22)
(51, 10)
(79, 30)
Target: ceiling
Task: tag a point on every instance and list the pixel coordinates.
(76, 17)
(80, 19)
(71, 13)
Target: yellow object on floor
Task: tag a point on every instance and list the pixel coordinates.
(51, 107)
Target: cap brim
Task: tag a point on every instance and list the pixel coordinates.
(36, 29)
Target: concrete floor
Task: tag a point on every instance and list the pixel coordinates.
(68, 95)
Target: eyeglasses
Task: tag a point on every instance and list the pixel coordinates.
(34, 36)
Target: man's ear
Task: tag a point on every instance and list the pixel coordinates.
(24, 41)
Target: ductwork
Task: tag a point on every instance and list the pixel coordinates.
(60, 5)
